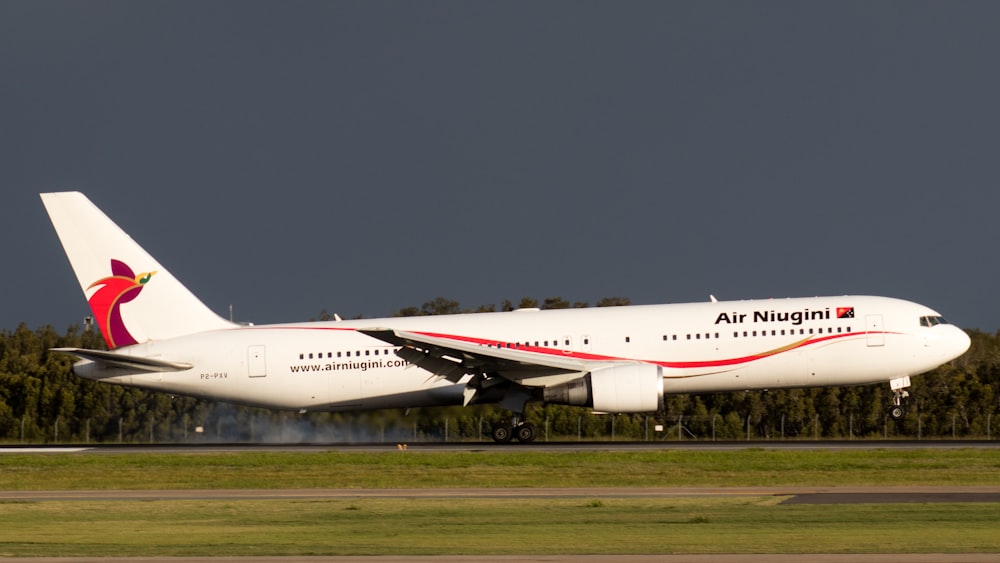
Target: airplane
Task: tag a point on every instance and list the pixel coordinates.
(625, 359)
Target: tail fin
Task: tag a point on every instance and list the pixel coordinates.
(134, 299)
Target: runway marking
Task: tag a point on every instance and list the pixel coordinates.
(893, 498)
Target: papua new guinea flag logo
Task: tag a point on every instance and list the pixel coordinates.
(120, 287)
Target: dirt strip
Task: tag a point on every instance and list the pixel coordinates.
(680, 558)
(816, 495)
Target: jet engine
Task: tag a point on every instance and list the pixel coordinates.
(620, 388)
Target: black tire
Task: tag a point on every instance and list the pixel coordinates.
(897, 412)
(502, 433)
(526, 433)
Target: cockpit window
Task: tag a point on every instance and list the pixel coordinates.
(932, 321)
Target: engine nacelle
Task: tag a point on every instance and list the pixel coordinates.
(630, 388)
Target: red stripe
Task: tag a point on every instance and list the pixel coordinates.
(666, 364)
(596, 357)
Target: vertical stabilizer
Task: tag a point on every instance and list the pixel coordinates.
(133, 297)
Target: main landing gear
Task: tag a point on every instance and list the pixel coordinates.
(899, 393)
(524, 432)
(515, 399)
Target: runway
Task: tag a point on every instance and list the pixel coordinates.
(572, 446)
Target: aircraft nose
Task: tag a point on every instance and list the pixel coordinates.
(960, 341)
(950, 342)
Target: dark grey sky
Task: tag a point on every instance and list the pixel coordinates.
(366, 156)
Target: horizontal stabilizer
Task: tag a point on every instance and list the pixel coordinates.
(124, 360)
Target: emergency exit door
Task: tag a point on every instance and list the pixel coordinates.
(875, 330)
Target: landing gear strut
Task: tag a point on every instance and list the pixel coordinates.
(899, 393)
(515, 399)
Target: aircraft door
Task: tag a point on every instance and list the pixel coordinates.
(875, 330)
(256, 361)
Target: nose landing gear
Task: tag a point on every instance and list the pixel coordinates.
(899, 393)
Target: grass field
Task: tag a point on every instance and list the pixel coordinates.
(494, 525)
(497, 526)
(412, 468)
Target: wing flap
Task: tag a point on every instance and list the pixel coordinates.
(467, 356)
(440, 367)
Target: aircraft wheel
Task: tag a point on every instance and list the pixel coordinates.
(502, 433)
(897, 412)
(526, 432)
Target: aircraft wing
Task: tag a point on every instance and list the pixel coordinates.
(452, 357)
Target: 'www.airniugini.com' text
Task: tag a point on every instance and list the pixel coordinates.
(338, 366)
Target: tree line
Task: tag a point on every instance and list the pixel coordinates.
(42, 402)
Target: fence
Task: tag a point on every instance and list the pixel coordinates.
(247, 426)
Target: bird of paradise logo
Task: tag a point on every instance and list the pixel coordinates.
(120, 287)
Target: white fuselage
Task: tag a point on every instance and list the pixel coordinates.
(702, 347)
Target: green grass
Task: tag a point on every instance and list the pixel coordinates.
(397, 469)
(488, 526)
(429, 526)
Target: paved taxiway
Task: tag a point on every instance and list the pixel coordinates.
(796, 495)
(705, 558)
